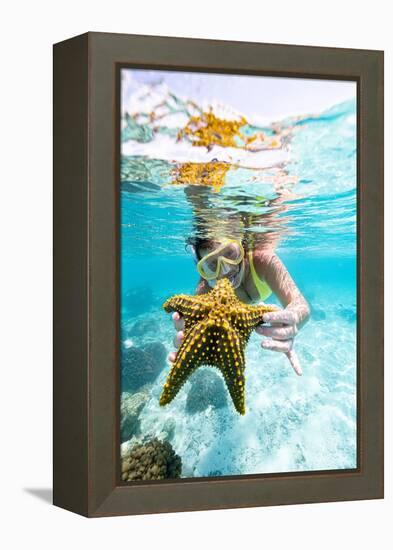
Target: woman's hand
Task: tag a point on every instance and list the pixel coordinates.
(178, 321)
(280, 334)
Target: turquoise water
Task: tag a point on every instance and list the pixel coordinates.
(304, 199)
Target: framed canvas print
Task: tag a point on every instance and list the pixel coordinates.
(218, 274)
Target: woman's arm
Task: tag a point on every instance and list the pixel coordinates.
(284, 324)
(270, 268)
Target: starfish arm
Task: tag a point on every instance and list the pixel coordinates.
(243, 323)
(187, 361)
(187, 305)
(232, 366)
(255, 314)
(236, 391)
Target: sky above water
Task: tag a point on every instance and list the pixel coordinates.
(272, 98)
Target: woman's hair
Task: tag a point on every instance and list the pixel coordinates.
(201, 242)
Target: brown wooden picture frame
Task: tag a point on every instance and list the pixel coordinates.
(86, 274)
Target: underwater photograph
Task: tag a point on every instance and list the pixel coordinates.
(238, 255)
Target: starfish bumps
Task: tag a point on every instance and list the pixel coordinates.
(217, 327)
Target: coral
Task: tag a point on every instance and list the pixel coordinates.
(157, 352)
(217, 327)
(153, 459)
(140, 366)
(207, 389)
(208, 130)
(130, 408)
(211, 174)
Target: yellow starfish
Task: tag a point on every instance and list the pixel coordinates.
(217, 327)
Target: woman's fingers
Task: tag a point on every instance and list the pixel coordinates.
(278, 333)
(293, 359)
(178, 321)
(284, 347)
(284, 316)
(277, 345)
(177, 340)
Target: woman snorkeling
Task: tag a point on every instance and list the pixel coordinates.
(255, 274)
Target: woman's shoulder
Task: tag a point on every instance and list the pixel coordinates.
(262, 256)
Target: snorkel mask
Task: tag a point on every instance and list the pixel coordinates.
(220, 261)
